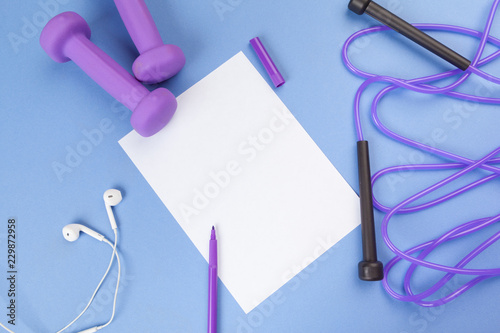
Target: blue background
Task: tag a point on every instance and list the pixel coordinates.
(46, 107)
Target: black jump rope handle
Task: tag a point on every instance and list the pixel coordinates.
(370, 269)
(394, 22)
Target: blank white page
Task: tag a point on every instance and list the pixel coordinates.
(233, 156)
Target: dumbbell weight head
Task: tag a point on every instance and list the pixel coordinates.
(159, 64)
(154, 112)
(59, 31)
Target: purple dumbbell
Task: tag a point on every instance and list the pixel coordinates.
(157, 62)
(67, 37)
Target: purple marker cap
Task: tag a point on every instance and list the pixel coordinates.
(268, 63)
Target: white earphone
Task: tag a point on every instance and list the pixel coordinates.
(112, 198)
(71, 233)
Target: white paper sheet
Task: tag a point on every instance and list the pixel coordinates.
(233, 156)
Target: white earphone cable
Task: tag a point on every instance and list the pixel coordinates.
(117, 279)
(100, 283)
(71, 232)
(6, 328)
(115, 253)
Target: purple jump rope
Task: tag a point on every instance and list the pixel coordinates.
(416, 256)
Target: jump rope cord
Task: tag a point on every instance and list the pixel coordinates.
(416, 256)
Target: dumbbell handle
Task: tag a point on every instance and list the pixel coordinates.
(140, 24)
(105, 71)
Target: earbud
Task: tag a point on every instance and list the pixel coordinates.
(112, 198)
(72, 232)
(394, 22)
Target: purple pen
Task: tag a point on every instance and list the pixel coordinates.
(212, 284)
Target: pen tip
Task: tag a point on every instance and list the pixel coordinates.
(213, 228)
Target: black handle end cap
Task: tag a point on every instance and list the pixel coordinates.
(358, 6)
(371, 271)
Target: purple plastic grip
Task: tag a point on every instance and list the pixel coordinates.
(157, 62)
(67, 37)
(268, 63)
